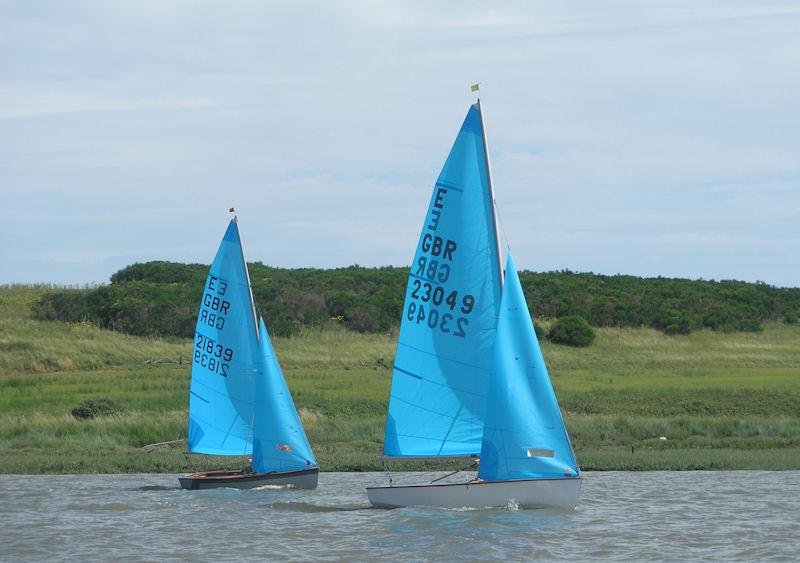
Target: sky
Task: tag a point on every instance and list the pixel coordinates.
(642, 138)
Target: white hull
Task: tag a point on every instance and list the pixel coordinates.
(523, 493)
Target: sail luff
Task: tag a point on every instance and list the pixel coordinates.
(491, 194)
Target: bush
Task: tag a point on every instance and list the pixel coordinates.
(572, 331)
(162, 298)
(90, 408)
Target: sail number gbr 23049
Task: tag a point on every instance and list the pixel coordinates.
(433, 305)
(212, 356)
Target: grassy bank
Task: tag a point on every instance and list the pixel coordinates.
(636, 399)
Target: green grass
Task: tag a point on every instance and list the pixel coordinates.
(719, 401)
(689, 459)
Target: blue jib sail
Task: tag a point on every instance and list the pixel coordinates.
(524, 435)
(279, 441)
(447, 334)
(221, 401)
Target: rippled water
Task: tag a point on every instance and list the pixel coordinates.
(727, 515)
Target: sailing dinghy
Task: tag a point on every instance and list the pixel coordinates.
(239, 403)
(469, 379)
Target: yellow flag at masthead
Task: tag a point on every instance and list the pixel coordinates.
(474, 87)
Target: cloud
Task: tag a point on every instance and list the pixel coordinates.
(625, 137)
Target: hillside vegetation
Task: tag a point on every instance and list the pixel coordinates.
(635, 399)
(161, 299)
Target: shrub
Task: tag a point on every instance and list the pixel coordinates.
(162, 298)
(572, 331)
(90, 408)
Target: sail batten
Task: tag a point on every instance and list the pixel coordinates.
(441, 184)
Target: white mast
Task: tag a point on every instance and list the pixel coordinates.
(247, 276)
(491, 195)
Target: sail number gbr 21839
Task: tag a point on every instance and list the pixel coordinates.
(439, 309)
(212, 356)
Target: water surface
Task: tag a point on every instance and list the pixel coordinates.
(726, 515)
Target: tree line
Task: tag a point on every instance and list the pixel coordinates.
(162, 299)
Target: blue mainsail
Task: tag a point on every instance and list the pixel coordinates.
(524, 435)
(444, 349)
(279, 441)
(221, 400)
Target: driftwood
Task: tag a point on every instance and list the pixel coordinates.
(151, 447)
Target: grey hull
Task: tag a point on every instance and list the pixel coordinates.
(300, 479)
